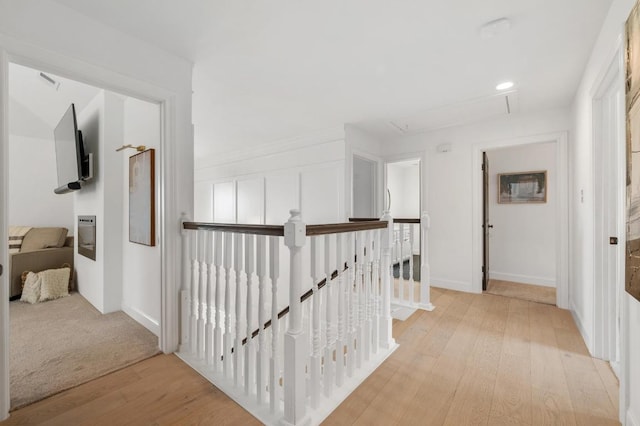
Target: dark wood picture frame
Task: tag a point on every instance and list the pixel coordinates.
(142, 198)
(533, 187)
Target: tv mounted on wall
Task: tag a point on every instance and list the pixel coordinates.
(72, 164)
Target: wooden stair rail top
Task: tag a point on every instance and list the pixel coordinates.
(398, 220)
(278, 230)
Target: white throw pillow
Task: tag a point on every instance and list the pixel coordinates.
(31, 290)
(55, 283)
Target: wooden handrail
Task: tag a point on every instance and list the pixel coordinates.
(399, 220)
(274, 230)
(337, 228)
(406, 220)
(278, 230)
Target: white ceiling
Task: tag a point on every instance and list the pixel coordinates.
(37, 106)
(267, 71)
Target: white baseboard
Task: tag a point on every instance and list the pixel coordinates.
(632, 418)
(451, 285)
(143, 319)
(524, 279)
(580, 324)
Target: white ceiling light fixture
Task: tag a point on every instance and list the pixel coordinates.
(494, 28)
(506, 85)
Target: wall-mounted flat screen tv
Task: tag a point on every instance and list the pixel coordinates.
(71, 162)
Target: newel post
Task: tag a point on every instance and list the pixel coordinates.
(296, 349)
(386, 243)
(425, 269)
(185, 291)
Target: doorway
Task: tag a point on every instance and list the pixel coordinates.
(560, 241)
(115, 299)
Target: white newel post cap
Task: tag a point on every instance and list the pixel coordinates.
(425, 220)
(295, 231)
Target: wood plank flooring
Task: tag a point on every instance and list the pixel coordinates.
(475, 360)
(533, 293)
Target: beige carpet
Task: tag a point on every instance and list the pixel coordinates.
(62, 343)
(533, 293)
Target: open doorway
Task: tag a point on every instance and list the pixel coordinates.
(111, 318)
(520, 222)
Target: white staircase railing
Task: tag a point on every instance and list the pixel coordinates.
(406, 291)
(233, 328)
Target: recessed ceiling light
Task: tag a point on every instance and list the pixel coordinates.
(504, 86)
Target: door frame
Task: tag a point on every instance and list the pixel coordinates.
(610, 73)
(562, 208)
(13, 51)
(607, 157)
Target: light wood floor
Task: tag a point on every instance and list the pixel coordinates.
(476, 359)
(534, 293)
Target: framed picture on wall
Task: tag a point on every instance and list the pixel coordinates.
(522, 187)
(632, 93)
(142, 211)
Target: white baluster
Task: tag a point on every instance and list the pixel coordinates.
(367, 295)
(217, 331)
(208, 332)
(202, 293)
(296, 351)
(360, 298)
(195, 308)
(185, 293)
(237, 353)
(341, 295)
(315, 326)
(274, 370)
(261, 367)
(249, 347)
(412, 283)
(425, 270)
(375, 255)
(401, 295)
(329, 370)
(350, 304)
(386, 338)
(228, 262)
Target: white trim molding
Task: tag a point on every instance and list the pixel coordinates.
(453, 285)
(143, 319)
(562, 210)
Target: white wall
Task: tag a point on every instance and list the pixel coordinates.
(522, 244)
(447, 185)
(582, 206)
(141, 281)
(102, 124)
(32, 179)
(364, 187)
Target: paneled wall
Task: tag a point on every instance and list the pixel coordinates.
(264, 193)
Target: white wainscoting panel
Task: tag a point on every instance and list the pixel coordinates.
(224, 202)
(250, 196)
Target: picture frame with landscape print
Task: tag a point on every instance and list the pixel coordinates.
(522, 187)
